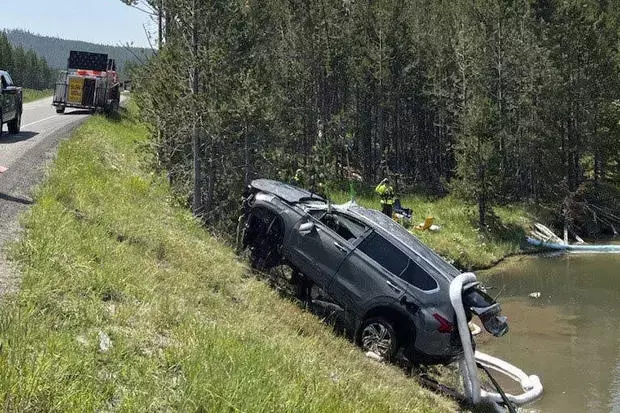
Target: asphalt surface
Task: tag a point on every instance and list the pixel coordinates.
(24, 158)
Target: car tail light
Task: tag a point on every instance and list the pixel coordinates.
(444, 325)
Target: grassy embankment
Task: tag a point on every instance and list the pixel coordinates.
(459, 240)
(30, 94)
(105, 251)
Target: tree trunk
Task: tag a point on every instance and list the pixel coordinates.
(482, 195)
(246, 152)
(197, 193)
(211, 178)
(160, 24)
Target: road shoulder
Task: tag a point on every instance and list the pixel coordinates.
(17, 185)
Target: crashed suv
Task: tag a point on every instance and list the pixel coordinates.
(388, 289)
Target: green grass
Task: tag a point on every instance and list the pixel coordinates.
(30, 94)
(105, 250)
(459, 240)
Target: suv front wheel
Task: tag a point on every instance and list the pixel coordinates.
(378, 335)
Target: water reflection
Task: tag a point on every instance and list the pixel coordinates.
(569, 336)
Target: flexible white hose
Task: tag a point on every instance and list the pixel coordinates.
(530, 384)
(468, 363)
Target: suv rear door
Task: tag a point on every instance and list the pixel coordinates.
(369, 276)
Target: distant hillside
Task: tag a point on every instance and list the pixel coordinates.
(56, 51)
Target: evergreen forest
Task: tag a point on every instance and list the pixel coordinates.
(493, 101)
(26, 68)
(56, 51)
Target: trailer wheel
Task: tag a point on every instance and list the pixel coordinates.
(60, 109)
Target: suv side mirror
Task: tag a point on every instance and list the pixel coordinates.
(306, 228)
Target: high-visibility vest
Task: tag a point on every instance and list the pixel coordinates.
(298, 181)
(386, 192)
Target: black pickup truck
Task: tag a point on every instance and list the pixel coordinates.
(10, 103)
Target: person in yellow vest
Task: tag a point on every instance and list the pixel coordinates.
(298, 179)
(318, 185)
(386, 195)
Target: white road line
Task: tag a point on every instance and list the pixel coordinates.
(39, 121)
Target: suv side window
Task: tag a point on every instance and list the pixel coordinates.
(416, 276)
(4, 82)
(397, 262)
(347, 228)
(384, 253)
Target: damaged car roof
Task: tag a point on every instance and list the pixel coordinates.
(288, 193)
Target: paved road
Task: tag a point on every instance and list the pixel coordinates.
(23, 159)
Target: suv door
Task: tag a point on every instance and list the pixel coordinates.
(370, 275)
(317, 250)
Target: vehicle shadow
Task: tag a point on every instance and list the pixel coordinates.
(79, 112)
(117, 116)
(280, 279)
(18, 200)
(22, 136)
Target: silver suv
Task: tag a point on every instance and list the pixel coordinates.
(387, 288)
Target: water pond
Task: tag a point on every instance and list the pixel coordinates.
(570, 335)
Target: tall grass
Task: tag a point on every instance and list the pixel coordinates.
(107, 254)
(31, 94)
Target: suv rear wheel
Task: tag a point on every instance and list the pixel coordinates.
(378, 335)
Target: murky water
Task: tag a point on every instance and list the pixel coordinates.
(570, 335)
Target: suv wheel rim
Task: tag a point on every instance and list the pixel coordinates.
(377, 338)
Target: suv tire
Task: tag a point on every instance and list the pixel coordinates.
(15, 124)
(379, 336)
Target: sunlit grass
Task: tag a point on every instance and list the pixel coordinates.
(107, 253)
(31, 94)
